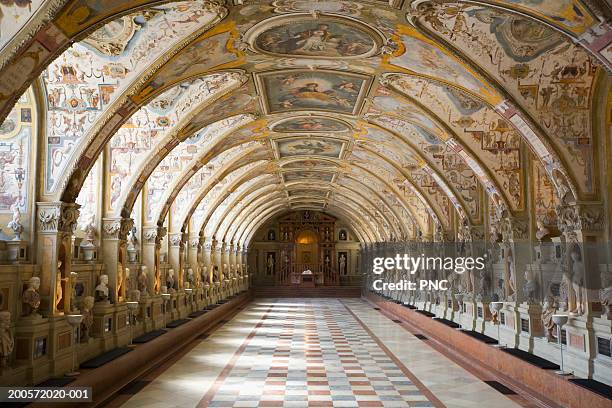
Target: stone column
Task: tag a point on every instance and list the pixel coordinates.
(245, 267)
(152, 237)
(55, 222)
(232, 258)
(238, 256)
(225, 260)
(215, 259)
(515, 254)
(582, 228)
(192, 255)
(174, 255)
(207, 260)
(114, 249)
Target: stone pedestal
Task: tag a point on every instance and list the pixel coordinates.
(483, 315)
(17, 251)
(182, 301)
(207, 289)
(145, 313)
(580, 351)
(510, 326)
(122, 327)
(468, 317)
(60, 347)
(104, 324)
(32, 347)
(529, 325)
(602, 364)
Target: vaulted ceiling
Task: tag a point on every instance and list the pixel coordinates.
(403, 118)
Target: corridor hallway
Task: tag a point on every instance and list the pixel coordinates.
(311, 353)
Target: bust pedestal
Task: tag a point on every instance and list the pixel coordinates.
(529, 325)
(32, 345)
(602, 364)
(104, 323)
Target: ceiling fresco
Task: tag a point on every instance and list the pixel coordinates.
(310, 124)
(298, 90)
(89, 77)
(309, 147)
(413, 116)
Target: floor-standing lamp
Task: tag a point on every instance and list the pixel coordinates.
(560, 321)
(165, 297)
(74, 320)
(132, 307)
(495, 308)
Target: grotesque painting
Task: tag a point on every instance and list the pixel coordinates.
(310, 124)
(323, 37)
(15, 138)
(13, 15)
(314, 90)
(309, 147)
(423, 57)
(569, 14)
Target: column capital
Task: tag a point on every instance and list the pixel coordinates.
(574, 218)
(208, 245)
(116, 228)
(175, 239)
(153, 235)
(57, 216)
(194, 241)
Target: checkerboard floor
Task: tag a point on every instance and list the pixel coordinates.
(313, 354)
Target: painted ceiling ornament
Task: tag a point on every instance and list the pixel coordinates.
(114, 37)
(319, 35)
(320, 90)
(310, 124)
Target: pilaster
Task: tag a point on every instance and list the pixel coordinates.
(55, 222)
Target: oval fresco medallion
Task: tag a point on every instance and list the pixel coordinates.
(322, 37)
(310, 124)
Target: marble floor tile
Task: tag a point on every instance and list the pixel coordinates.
(314, 353)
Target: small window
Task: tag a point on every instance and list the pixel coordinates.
(525, 325)
(40, 347)
(603, 346)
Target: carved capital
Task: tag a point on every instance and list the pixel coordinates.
(519, 229)
(116, 228)
(194, 242)
(153, 235)
(57, 217)
(579, 218)
(208, 246)
(175, 239)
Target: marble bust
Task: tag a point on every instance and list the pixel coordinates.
(31, 297)
(143, 280)
(87, 311)
(102, 289)
(170, 282)
(190, 278)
